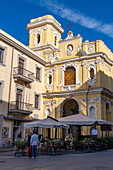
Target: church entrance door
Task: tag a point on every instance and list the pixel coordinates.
(70, 107)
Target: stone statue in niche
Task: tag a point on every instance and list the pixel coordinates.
(92, 112)
(69, 49)
(78, 48)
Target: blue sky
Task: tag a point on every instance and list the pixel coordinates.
(92, 19)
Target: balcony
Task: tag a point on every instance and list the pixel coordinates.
(21, 74)
(17, 107)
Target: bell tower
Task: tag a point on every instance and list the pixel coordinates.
(44, 33)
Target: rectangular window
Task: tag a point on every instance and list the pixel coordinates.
(38, 73)
(1, 89)
(1, 55)
(20, 66)
(36, 101)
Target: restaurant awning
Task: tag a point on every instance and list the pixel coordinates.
(46, 123)
(104, 122)
(82, 120)
(77, 119)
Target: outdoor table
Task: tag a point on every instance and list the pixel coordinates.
(51, 149)
(20, 151)
(88, 146)
(42, 148)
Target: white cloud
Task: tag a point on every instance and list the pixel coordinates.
(75, 16)
(72, 15)
(106, 29)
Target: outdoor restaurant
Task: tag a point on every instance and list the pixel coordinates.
(51, 143)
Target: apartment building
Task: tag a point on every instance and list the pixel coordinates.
(21, 87)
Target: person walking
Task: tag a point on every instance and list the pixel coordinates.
(34, 142)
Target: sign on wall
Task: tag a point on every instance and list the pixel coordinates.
(5, 132)
(94, 133)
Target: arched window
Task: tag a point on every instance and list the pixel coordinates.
(108, 112)
(92, 112)
(91, 68)
(70, 76)
(91, 73)
(107, 108)
(38, 38)
(50, 79)
(55, 40)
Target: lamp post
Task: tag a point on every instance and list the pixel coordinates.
(87, 102)
(87, 99)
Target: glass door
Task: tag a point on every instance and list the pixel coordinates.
(19, 99)
(21, 66)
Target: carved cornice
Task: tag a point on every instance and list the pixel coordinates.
(44, 27)
(74, 92)
(93, 43)
(44, 47)
(89, 56)
(22, 48)
(44, 22)
(99, 90)
(99, 99)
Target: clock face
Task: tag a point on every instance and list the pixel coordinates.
(90, 48)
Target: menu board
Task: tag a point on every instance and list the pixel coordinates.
(5, 132)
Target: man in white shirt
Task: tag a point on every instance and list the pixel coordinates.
(34, 141)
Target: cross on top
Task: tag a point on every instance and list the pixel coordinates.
(70, 25)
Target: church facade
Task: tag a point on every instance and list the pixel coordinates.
(66, 76)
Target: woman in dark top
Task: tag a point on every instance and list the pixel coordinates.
(29, 138)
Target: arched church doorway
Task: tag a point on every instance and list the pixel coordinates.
(70, 107)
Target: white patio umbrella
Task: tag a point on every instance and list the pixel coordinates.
(46, 123)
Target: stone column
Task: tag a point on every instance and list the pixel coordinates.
(22, 130)
(66, 131)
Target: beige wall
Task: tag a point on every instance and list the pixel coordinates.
(29, 89)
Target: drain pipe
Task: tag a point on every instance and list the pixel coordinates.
(10, 81)
(87, 99)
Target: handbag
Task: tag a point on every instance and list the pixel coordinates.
(30, 151)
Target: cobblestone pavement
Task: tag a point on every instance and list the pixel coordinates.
(87, 161)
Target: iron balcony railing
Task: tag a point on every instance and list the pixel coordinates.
(17, 106)
(23, 73)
